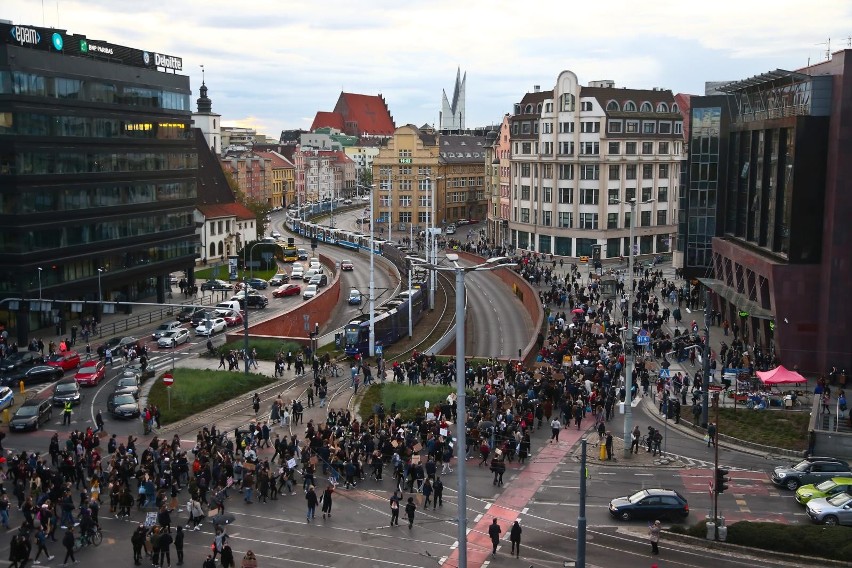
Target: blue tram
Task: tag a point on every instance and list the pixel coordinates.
(391, 321)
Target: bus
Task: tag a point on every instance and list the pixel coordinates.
(291, 254)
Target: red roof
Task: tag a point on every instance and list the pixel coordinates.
(277, 160)
(328, 119)
(217, 210)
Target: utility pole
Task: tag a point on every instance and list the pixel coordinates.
(581, 518)
(705, 366)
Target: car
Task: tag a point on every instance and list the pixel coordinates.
(309, 274)
(275, 235)
(298, 272)
(31, 414)
(319, 279)
(257, 283)
(165, 328)
(650, 504)
(824, 490)
(202, 316)
(472, 221)
(134, 369)
(21, 360)
(215, 286)
(127, 385)
(346, 265)
(233, 318)
(7, 397)
(450, 230)
(365, 198)
(287, 290)
(223, 308)
(118, 343)
(66, 360)
(67, 390)
(254, 301)
(810, 470)
(123, 405)
(836, 510)
(279, 279)
(31, 375)
(91, 373)
(309, 292)
(186, 314)
(302, 253)
(347, 202)
(215, 326)
(354, 297)
(174, 338)
(460, 222)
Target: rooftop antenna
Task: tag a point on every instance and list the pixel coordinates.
(202, 74)
(827, 45)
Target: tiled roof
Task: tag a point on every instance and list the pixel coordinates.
(456, 149)
(212, 184)
(328, 119)
(219, 210)
(621, 96)
(277, 160)
(370, 112)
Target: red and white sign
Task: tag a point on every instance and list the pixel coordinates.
(168, 379)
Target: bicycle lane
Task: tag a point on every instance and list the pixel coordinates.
(508, 507)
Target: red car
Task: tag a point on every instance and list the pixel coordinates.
(233, 318)
(91, 374)
(66, 361)
(346, 265)
(287, 290)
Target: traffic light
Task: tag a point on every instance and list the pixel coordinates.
(722, 480)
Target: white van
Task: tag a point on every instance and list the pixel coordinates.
(224, 308)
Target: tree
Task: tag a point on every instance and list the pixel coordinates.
(258, 208)
(365, 177)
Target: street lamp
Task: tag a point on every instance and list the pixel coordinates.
(460, 271)
(39, 288)
(372, 341)
(432, 238)
(245, 303)
(628, 337)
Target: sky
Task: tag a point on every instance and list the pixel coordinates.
(271, 65)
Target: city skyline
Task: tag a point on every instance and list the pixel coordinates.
(273, 68)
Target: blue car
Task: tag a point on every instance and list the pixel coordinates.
(7, 397)
(258, 283)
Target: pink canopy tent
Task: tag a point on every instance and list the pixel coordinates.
(780, 376)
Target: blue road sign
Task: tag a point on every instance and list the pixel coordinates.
(378, 349)
(665, 373)
(643, 340)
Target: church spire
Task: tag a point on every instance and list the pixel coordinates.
(205, 105)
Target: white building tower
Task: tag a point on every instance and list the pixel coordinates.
(452, 115)
(208, 121)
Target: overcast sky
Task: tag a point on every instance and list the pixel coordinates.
(273, 64)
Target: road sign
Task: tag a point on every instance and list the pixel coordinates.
(168, 379)
(664, 373)
(378, 349)
(643, 340)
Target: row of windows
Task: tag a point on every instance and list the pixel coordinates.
(566, 148)
(42, 162)
(616, 126)
(88, 233)
(30, 84)
(36, 124)
(589, 195)
(565, 219)
(68, 198)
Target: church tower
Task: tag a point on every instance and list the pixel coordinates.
(208, 121)
(452, 115)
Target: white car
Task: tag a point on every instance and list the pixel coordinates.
(298, 272)
(347, 202)
(174, 338)
(216, 325)
(275, 235)
(309, 292)
(365, 198)
(165, 328)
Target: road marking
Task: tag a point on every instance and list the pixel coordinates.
(524, 510)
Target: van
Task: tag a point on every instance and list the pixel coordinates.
(223, 308)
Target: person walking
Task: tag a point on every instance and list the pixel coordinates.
(438, 490)
(608, 445)
(410, 508)
(326, 500)
(654, 537)
(137, 539)
(711, 434)
(68, 543)
(179, 545)
(394, 507)
(635, 437)
(555, 427)
(494, 531)
(41, 542)
(515, 538)
(311, 498)
(227, 557)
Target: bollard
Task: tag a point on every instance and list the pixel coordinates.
(723, 534)
(6, 415)
(21, 386)
(711, 531)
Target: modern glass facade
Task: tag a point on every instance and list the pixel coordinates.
(698, 225)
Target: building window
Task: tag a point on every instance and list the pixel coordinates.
(589, 148)
(525, 128)
(566, 195)
(590, 127)
(546, 218)
(566, 148)
(630, 171)
(613, 194)
(588, 196)
(631, 126)
(630, 148)
(586, 106)
(588, 220)
(614, 148)
(664, 171)
(525, 192)
(404, 216)
(612, 220)
(647, 193)
(547, 148)
(568, 102)
(405, 201)
(589, 172)
(665, 128)
(424, 201)
(629, 106)
(566, 219)
(566, 171)
(405, 153)
(662, 107)
(662, 194)
(614, 126)
(647, 148)
(647, 171)
(630, 193)
(678, 128)
(546, 171)
(614, 172)
(661, 217)
(525, 214)
(403, 170)
(649, 127)
(627, 220)
(646, 107)
(645, 218)
(547, 194)
(612, 105)
(664, 148)
(526, 148)
(405, 185)
(525, 170)
(566, 128)
(546, 127)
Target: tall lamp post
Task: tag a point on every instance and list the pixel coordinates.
(432, 238)
(245, 303)
(372, 342)
(100, 298)
(39, 288)
(460, 271)
(628, 336)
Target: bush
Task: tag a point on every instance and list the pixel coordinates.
(807, 540)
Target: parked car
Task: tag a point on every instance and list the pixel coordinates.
(810, 470)
(233, 318)
(91, 373)
(122, 405)
(460, 222)
(450, 230)
(127, 385)
(31, 414)
(165, 328)
(824, 490)
(346, 265)
(31, 375)
(215, 325)
(319, 279)
(279, 279)
(257, 283)
(215, 286)
(836, 510)
(186, 314)
(354, 297)
(67, 390)
(650, 504)
(347, 202)
(287, 290)
(7, 397)
(21, 360)
(174, 338)
(309, 292)
(66, 360)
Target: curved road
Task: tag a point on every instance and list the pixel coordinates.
(497, 324)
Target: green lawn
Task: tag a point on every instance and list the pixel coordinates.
(410, 400)
(267, 349)
(778, 428)
(195, 390)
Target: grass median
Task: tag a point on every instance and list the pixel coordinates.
(410, 400)
(196, 390)
(777, 428)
